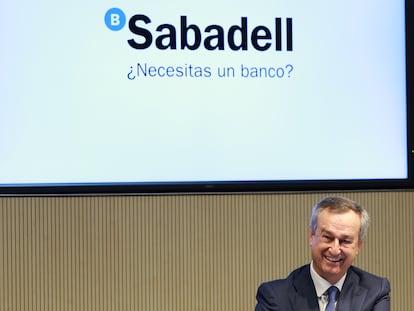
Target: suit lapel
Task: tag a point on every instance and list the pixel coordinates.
(304, 298)
(352, 295)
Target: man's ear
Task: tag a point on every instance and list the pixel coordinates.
(310, 236)
(360, 243)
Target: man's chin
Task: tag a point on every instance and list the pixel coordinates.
(333, 263)
(333, 267)
(333, 272)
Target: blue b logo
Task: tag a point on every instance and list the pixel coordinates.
(115, 19)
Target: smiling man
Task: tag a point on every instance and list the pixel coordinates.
(336, 233)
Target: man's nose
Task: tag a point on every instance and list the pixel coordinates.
(335, 247)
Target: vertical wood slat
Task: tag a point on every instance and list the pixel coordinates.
(189, 252)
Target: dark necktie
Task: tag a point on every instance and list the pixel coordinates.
(332, 293)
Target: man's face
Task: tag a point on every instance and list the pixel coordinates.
(335, 243)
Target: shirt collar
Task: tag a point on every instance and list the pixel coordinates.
(322, 285)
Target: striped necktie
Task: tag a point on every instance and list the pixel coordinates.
(332, 293)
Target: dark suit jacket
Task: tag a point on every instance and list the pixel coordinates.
(361, 291)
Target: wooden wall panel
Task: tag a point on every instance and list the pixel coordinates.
(179, 252)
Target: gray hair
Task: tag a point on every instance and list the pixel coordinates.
(340, 204)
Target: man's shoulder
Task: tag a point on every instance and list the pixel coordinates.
(287, 282)
(365, 275)
(368, 280)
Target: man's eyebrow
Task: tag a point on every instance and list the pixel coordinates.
(342, 237)
(326, 231)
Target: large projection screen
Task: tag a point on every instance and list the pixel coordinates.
(187, 96)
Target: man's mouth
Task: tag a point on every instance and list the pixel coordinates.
(334, 259)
